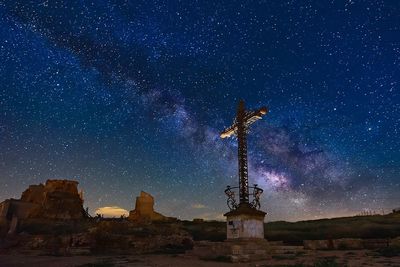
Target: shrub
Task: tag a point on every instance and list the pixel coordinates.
(391, 251)
(327, 262)
(219, 258)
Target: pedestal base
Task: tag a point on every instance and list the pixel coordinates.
(236, 250)
(245, 238)
(245, 222)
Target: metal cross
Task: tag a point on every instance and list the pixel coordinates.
(240, 128)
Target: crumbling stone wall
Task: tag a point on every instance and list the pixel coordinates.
(144, 209)
(57, 199)
(34, 194)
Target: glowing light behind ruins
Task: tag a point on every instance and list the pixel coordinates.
(112, 212)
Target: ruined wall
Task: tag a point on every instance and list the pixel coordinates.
(61, 200)
(34, 194)
(144, 209)
(16, 207)
(57, 199)
(4, 208)
(67, 186)
(23, 210)
(144, 203)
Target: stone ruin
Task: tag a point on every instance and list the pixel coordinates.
(348, 244)
(144, 210)
(56, 199)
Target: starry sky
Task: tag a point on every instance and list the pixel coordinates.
(125, 96)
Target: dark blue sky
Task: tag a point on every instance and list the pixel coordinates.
(124, 96)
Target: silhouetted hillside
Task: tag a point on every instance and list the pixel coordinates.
(375, 226)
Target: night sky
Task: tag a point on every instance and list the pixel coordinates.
(125, 96)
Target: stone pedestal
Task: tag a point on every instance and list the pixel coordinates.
(245, 222)
(233, 250)
(245, 238)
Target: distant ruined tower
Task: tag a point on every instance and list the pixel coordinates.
(56, 199)
(144, 209)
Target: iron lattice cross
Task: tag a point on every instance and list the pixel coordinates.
(240, 128)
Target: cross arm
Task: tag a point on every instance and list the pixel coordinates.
(228, 132)
(250, 118)
(253, 116)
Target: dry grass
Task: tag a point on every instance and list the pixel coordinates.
(377, 226)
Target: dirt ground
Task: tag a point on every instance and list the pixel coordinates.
(354, 258)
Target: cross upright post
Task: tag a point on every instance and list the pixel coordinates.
(240, 129)
(242, 154)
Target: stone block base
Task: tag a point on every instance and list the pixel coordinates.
(238, 250)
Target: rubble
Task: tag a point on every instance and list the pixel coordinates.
(243, 250)
(128, 237)
(346, 244)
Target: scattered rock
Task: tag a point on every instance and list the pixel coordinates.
(375, 243)
(345, 244)
(315, 244)
(127, 237)
(348, 243)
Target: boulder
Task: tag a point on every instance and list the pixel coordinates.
(348, 243)
(376, 243)
(316, 244)
(395, 242)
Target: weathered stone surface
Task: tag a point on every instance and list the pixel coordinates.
(81, 240)
(376, 243)
(4, 226)
(233, 250)
(57, 199)
(348, 243)
(286, 250)
(245, 222)
(67, 186)
(242, 227)
(128, 237)
(395, 242)
(144, 209)
(16, 208)
(37, 242)
(316, 244)
(34, 194)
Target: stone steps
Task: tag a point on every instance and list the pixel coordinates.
(234, 250)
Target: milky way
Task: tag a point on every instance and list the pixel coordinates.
(125, 96)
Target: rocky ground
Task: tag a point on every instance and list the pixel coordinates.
(112, 243)
(49, 227)
(309, 258)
